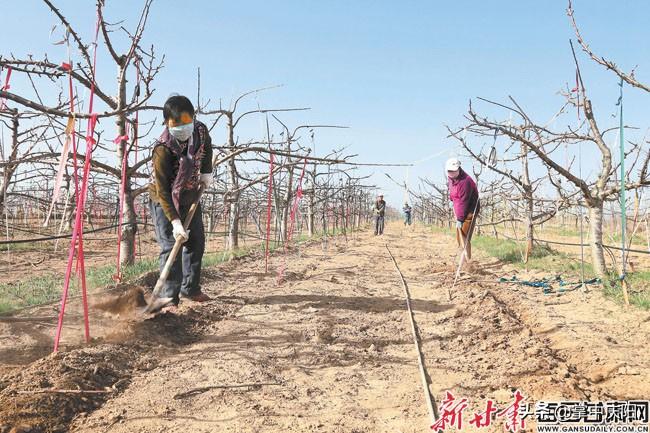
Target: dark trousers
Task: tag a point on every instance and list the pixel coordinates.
(379, 225)
(407, 219)
(185, 274)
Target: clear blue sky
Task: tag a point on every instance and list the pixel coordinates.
(395, 72)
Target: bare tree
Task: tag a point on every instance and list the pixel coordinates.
(536, 211)
(629, 78)
(120, 106)
(541, 140)
(21, 146)
(233, 149)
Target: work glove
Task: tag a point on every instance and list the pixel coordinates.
(459, 225)
(206, 180)
(179, 231)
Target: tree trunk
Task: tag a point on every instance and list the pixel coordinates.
(324, 218)
(127, 246)
(310, 213)
(68, 211)
(127, 243)
(529, 227)
(129, 227)
(596, 230)
(10, 168)
(286, 209)
(233, 223)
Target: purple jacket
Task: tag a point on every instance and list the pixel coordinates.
(464, 194)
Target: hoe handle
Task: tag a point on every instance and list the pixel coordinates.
(177, 247)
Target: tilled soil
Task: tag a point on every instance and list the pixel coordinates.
(327, 346)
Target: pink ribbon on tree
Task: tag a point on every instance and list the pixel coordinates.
(121, 138)
(292, 220)
(5, 87)
(76, 243)
(69, 133)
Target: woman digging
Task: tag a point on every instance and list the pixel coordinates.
(464, 195)
(182, 162)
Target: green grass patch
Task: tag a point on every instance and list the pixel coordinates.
(638, 240)
(510, 252)
(441, 230)
(504, 250)
(47, 288)
(558, 263)
(102, 276)
(564, 231)
(638, 287)
(542, 257)
(32, 291)
(29, 247)
(5, 307)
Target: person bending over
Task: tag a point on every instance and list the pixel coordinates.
(464, 195)
(182, 162)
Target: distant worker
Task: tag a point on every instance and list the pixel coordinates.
(464, 195)
(182, 161)
(380, 211)
(407, 214)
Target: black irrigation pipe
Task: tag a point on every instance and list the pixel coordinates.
(24, 230)
(246, 234)
(50, 238)
(576, 245)
(588, 245)
(67, 236)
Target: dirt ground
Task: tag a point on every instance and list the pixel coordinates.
(327, 348)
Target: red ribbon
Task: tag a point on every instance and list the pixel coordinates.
(90, 131)
(7, 78)
(5, 87)
(76, 243)
(121, 138)
(292, 219)
(296, 201)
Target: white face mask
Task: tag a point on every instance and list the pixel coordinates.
(183, 132)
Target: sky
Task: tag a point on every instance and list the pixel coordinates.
(394, 72)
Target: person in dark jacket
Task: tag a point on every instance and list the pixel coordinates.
(464, 195)
(380, 211)
(407, 214)
(182, 162)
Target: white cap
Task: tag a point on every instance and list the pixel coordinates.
(452, 164)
